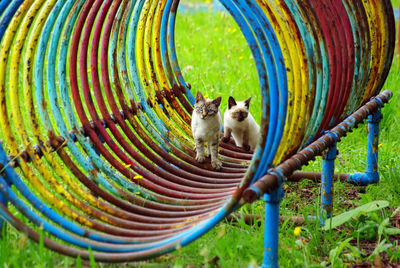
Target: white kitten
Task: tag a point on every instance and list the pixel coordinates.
(240, 123)
(206, 127)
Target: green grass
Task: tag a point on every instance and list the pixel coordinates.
(216, 60)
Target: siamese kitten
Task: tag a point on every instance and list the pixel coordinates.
(206, 127)
(240, 123)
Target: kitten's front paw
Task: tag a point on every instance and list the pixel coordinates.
(200, 158)
(246, 148)
(216, 164)
(225, 139)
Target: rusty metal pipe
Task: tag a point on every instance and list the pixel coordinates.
(270, 182)
(314, 176)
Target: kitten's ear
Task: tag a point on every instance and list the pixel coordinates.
(231, 102)
(247, 102)
(199, 97)
(217, 101)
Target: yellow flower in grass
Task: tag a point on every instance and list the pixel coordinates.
(297, 231)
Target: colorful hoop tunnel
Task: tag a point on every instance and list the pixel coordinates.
(95, 113)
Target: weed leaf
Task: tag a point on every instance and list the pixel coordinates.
(392, 231)
(334, 253)
(354, 213)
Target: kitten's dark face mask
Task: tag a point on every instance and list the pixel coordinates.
(240, 115)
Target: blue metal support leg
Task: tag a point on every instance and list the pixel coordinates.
(371, 174)
(271, 228)
(327, 175)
